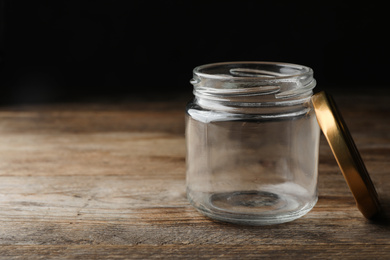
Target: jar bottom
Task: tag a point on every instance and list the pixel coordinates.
(253, 207)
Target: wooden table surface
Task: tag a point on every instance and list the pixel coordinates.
(108, 181)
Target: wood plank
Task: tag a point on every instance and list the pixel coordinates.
(108, 181)
(320, 251)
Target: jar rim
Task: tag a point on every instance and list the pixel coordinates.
(252, 74)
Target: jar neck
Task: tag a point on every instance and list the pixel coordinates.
(254, 88)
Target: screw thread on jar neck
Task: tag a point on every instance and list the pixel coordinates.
(253, 87)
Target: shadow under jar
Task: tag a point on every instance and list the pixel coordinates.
(252, 142)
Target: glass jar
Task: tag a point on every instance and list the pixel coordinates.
(252, 142)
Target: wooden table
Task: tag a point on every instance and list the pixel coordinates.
(108, 181)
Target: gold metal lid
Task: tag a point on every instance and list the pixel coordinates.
(346, 154)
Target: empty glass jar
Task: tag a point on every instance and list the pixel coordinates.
(252, 142)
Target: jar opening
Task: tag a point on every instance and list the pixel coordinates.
(251, 71)
(252, 87)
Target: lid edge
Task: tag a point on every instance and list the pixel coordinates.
(347, 156)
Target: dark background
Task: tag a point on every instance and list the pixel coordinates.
(56, 51)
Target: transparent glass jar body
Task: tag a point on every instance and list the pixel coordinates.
(252, 142)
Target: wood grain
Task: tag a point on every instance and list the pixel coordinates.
(108, 181)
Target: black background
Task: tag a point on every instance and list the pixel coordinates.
(79, 50)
